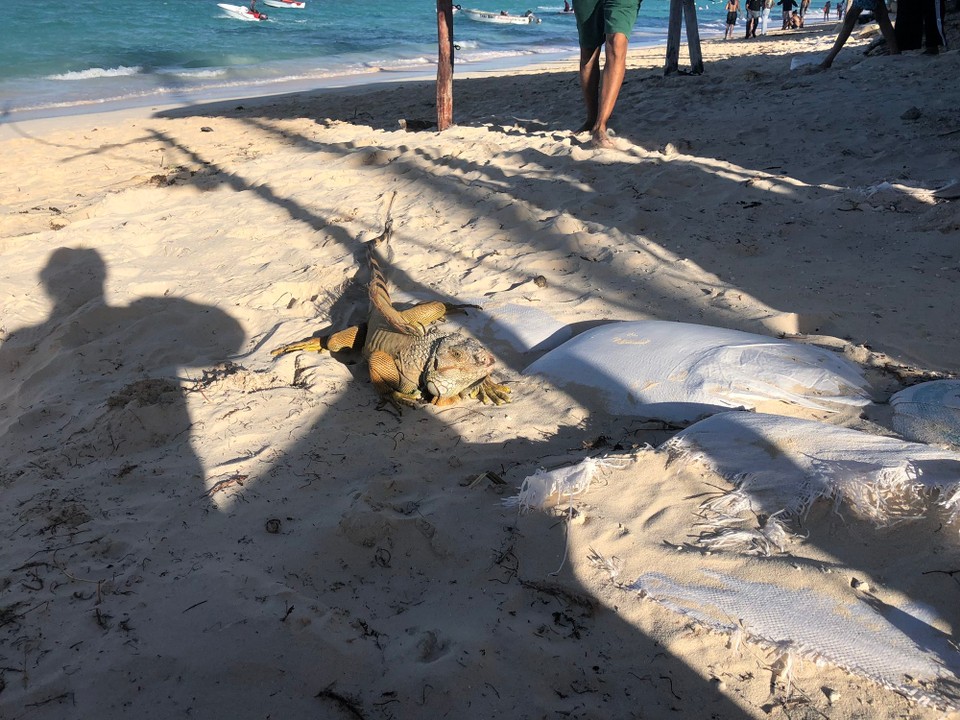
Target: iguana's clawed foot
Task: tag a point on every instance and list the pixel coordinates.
(311, 345)
(399, 400)
(489, 392)
(459, 308)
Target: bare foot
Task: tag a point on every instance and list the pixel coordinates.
(602, 140)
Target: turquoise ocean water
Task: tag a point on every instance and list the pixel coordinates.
(65, 56)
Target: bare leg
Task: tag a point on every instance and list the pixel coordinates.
(849, 20)
(590, 85)
(886, 27)
(614, 68)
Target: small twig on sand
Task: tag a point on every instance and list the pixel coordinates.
(344, 702)
(64, 570)
(224, 484)
(570, 597)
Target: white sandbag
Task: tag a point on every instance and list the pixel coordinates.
(929, 412)
(731, 485)
(896, 647)
(681, 372)
(525, 328)
(779, 466)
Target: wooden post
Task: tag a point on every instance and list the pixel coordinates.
(680, 9)
(445, 64)
(673, 37)
(693, 37)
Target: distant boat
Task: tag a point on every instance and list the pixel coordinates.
(292, 4)
(241, 12)
(528, 18)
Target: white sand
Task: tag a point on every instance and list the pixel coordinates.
(258, 540)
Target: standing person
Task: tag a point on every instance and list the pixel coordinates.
(879, 10)
(804, 6)
(934, 36)
(603, 23)
(826, 11)
(733, 12)
(765, 16)
(788, 6)
(754, 7)
(920, 24)
(841, 9)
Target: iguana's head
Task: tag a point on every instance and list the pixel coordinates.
(456, 364)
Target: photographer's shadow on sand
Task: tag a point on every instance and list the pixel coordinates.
(98, 383)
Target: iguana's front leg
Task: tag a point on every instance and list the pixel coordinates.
(385, 376)
(487, 391)
(350, 339)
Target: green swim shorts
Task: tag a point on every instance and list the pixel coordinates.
(598, 18)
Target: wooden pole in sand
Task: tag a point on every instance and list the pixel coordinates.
(445, 64)
(680, 9)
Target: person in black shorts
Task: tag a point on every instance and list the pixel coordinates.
(733, 12)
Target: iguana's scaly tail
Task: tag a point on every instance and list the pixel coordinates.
(379, 294)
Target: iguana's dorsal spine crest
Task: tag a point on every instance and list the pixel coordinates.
(380, 301)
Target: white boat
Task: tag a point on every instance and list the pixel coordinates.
(241, 12)
(292, 4)
(528, 18)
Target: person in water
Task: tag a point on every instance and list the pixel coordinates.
(603, 23)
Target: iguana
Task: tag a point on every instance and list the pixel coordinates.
(410, 359)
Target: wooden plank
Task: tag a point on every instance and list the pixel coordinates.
(445, 64)
(693, 37)
(673, 38)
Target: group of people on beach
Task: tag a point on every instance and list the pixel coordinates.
(607, 24)
(758, 15)
(841, 10)
(919, 24)
(929, 23)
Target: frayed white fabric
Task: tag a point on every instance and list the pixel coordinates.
(767, 471)
(681, 372)
(779, 466)
(895, 647)
(547, 487)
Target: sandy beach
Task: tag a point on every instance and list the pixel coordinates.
(194, 528)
